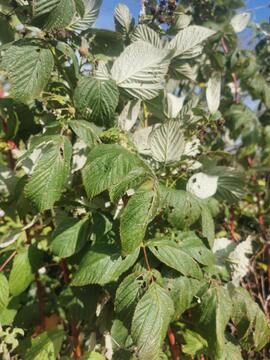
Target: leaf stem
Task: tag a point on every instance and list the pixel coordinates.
(146, 259)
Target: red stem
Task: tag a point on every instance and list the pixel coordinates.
(8, 261)
(175, 350)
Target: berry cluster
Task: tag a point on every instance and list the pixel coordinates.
(162, 10)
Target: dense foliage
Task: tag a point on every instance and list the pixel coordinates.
(133, 188)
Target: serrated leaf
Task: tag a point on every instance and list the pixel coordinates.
(45, 346)
(171, 254)
(132, 180)
(123, 19)
(29, 68)
(145, 33)
(208, 225)
(240, 21)
(50, 174)
(91, 11)
(182, 291)
(106, 166)
(186, 207)
(129, 292)
(167, 142)
(195, 247)
(69, 237)
(85, 131)
(186, 42)
(213, 92)
(151, 319)
(25, 264)
(102, 264)
(42, 7)
(129, 115)
(252, 328)
(4, 292)
(174, 104)
(96, 99)
(140, 210)
(140, 69)
(61, 15)
(212, 316)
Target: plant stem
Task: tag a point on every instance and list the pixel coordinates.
(175, 350)
(8, 261)
(146, 259)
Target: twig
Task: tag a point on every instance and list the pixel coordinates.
(8, 261)
(175, 350)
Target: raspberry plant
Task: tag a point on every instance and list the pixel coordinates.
(133, 187)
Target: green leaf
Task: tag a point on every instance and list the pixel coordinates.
(42, 7)
(193, 342)
(212, 316)
(25, 264)
(92, 356)
(150, 322)
(35, 62)
(124, 22)
(69, 237)
(187, 40)
(106, 166)
(213, 92)
(186, 207)
(253, 330)
(140, 210)
(232, 352)
(102, 264)
(50, 174)
(97, 99)
(85, 131)
(208, 225)
(182, 290)
(129, 292)
(240, 21)
(45, 346)
(91, 11)
(167, 142)
(69, 52)
(61, 15)
(145, 33)
(195, 247)
(140, 70)
(4, 292)
(171, 254)
(132, 180)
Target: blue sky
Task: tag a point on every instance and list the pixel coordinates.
(259, 8)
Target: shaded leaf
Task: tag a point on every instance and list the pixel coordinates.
(102, 264)
(150, 322)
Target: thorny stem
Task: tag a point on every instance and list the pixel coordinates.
(175, 350)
